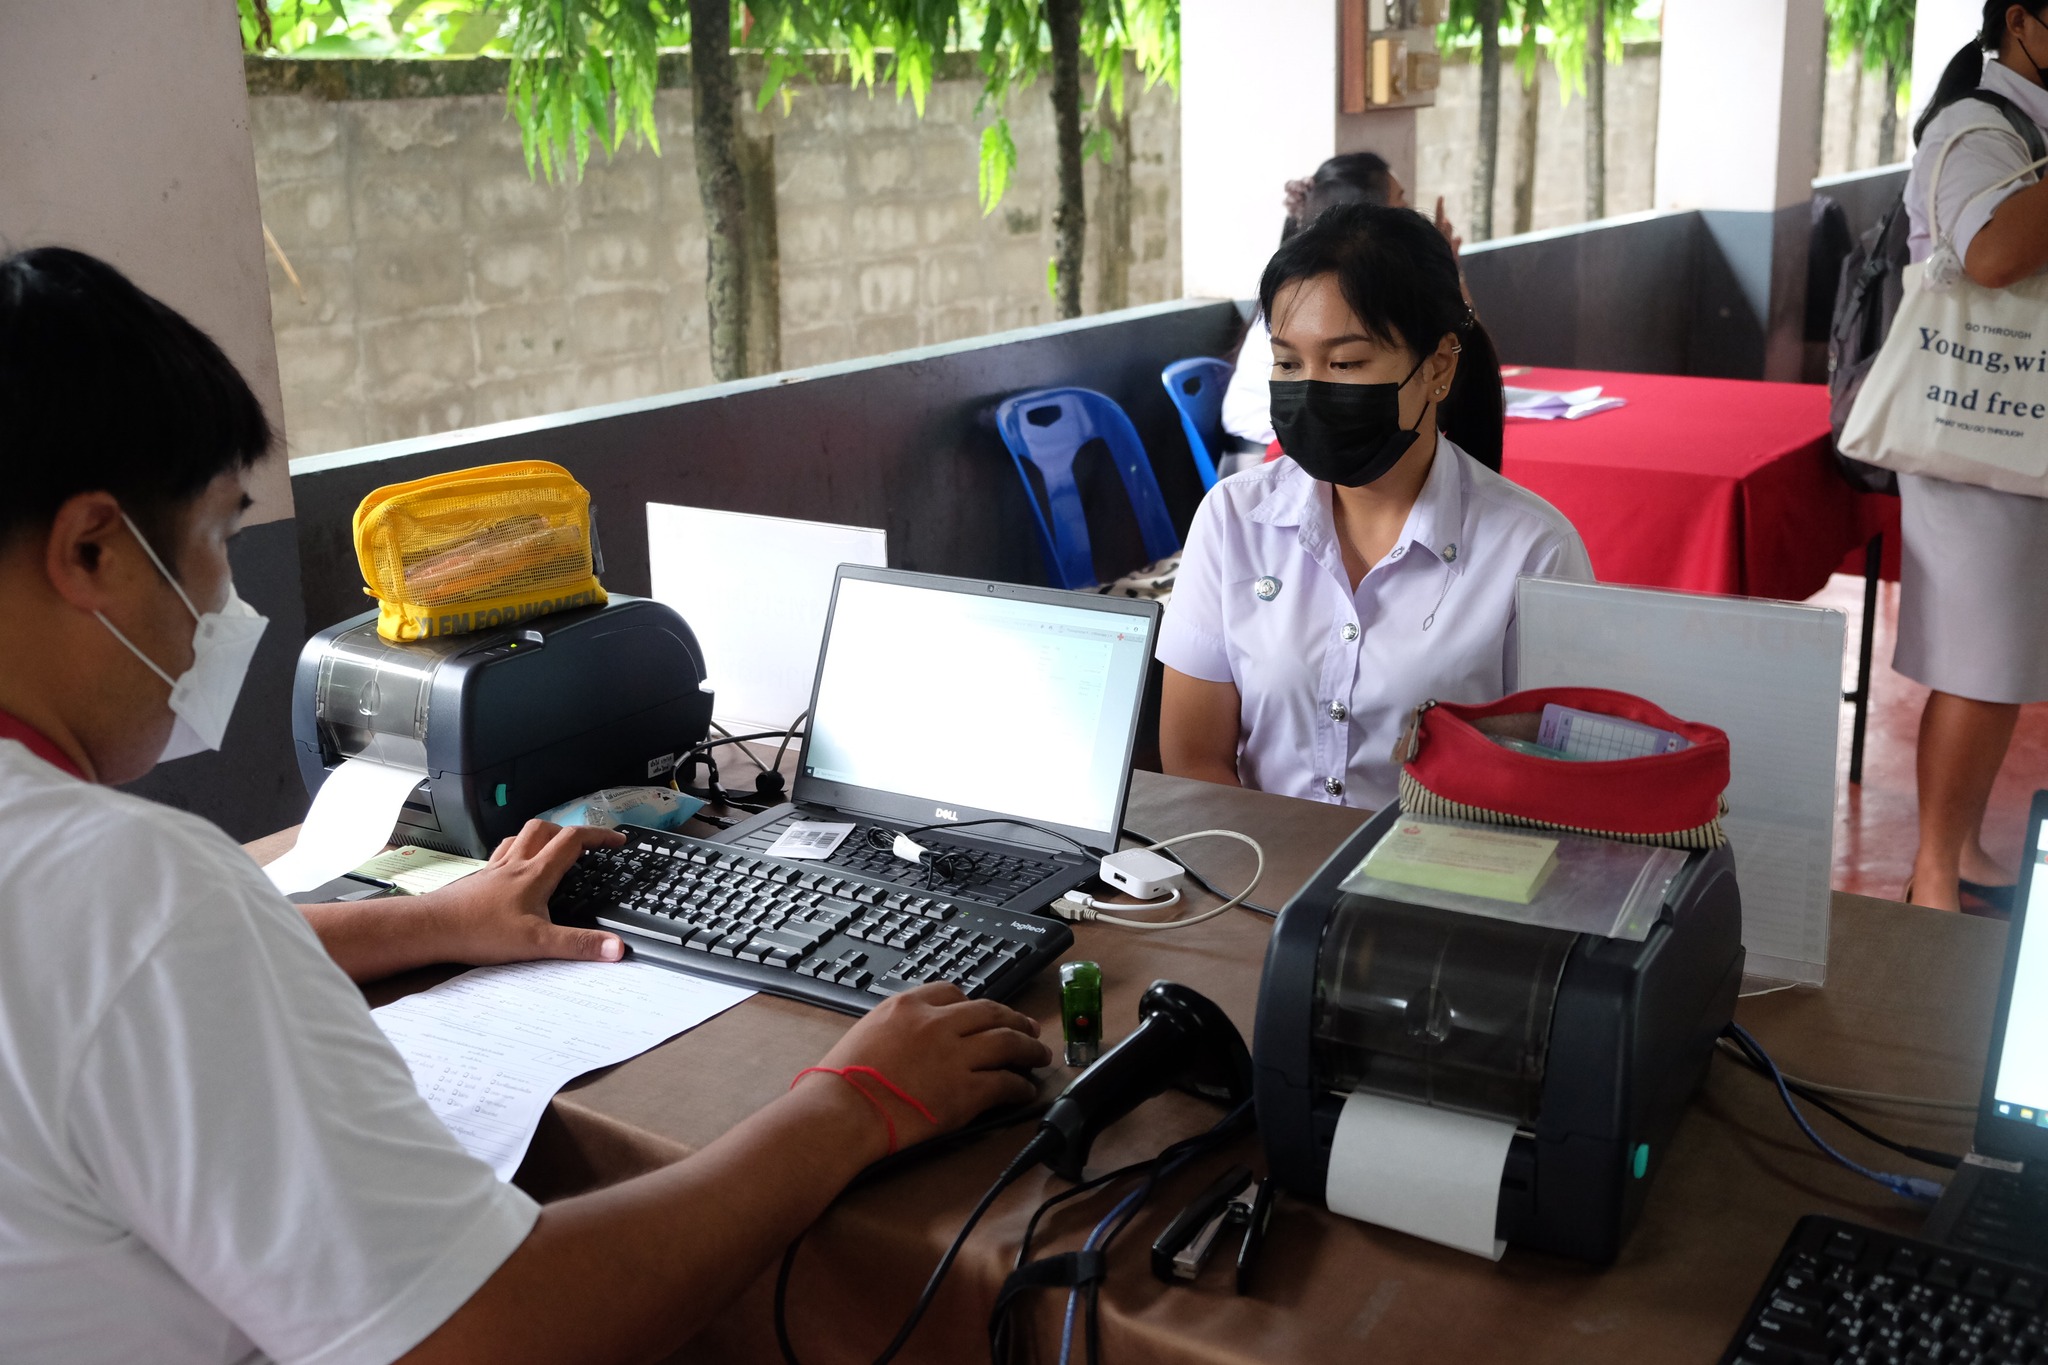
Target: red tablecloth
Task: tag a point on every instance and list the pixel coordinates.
(1706, 485)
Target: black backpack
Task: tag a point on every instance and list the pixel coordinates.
(1869, 295)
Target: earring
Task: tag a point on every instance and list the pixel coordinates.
(1440, 389)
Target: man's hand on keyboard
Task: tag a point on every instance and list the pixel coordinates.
(957, 1057)
(499, 913)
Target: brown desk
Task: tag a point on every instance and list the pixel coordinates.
(1906, 1009)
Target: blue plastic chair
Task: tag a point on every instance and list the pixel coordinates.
(1196, 387)
(1048, 428)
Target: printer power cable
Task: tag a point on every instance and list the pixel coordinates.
(1807, 1091)
(1910, 1186)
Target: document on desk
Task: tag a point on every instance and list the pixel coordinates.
(489, 1049)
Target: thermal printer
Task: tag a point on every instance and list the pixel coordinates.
(1584, 1020)
(503, 724)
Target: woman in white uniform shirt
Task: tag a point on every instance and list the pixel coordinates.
(1973, 602)
(1325, 595)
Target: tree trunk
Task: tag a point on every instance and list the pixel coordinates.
(1488, 160)
(1596, 109)
(1888, 122)
(764, 255)
(1113, 290)
(1525, 152)
(721, 183)
(1855, 114)
(1070, 217)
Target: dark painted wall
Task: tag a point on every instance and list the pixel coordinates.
(903, 442)
(251, 786)
(1865, 196)
(1617, 295)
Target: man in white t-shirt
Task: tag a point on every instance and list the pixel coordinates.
(208, 1150)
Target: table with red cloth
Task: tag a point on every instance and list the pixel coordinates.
(1704, 485)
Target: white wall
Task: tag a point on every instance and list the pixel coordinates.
(1940, 27)
(1739, 103)
(127, 135)
(1258, 100)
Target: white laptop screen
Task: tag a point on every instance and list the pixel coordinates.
(2020, 1090)
(962, 698)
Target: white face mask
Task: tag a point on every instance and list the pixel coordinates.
(223, 643)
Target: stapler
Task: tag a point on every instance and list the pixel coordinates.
(1235, 1200)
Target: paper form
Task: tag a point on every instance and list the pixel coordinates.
(490, 1048)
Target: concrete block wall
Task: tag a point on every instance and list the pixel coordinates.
(1447, 136)
(441, 287)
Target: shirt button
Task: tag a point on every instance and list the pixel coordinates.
(1350, 631)
(1338, 710)
(1451, 553)
(1333, 786)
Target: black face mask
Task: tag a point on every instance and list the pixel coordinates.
(1349, 434)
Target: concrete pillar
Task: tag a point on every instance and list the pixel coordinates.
(127, 136)
(1940, 27)
(1738, 109)
(1259, 107)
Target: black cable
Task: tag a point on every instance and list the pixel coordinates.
(747, 754)
(1028, 1156)
(1156, 1168)
(790, 734)
(1199, 879)
(1926, 1155)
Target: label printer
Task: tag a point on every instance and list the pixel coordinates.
(503, 724)
(1584, 1020)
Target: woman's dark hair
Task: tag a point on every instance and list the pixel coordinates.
(1965, 70)
(103, 388)
(1399, 276)
(1349, 178)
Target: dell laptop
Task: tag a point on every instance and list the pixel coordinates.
(993, 724)
(1998, 1202)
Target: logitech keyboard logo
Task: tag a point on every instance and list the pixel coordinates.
(1027, 928)
(943, 814)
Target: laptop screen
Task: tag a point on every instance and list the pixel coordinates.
(980, 699)
(2019, 1087)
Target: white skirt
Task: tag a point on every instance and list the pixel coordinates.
(1973, 591)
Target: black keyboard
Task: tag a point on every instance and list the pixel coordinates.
(994, 879)
(2006, 1216)
(1841, 1294)
(795, 928)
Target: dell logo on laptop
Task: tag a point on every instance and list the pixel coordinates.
(943, 814)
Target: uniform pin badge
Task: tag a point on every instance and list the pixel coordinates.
(1268, 588)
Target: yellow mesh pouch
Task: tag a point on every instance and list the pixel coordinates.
(476, 549)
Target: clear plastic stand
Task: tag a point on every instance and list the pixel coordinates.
(1767, 673)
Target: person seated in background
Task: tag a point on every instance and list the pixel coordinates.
(1352, 178)
(212, 1153)
(1323, 596)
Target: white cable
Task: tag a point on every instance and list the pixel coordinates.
(1090, 909)
(1084, 901)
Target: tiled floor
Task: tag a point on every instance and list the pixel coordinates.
(1875, 823)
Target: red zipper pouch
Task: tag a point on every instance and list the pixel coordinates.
(1451, 766)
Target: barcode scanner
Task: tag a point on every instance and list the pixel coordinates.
(1184, 1041)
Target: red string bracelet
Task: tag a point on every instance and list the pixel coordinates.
(846, 1073)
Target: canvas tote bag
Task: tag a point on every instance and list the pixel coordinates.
(1959, 390)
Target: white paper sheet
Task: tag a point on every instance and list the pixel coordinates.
(488, 1049)
(349, 824)
(755, 591)
(1549, 405)
(810, 838)
(1767, 673)
(1423, 1171)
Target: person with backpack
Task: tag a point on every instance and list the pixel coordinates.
(1973, 596)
